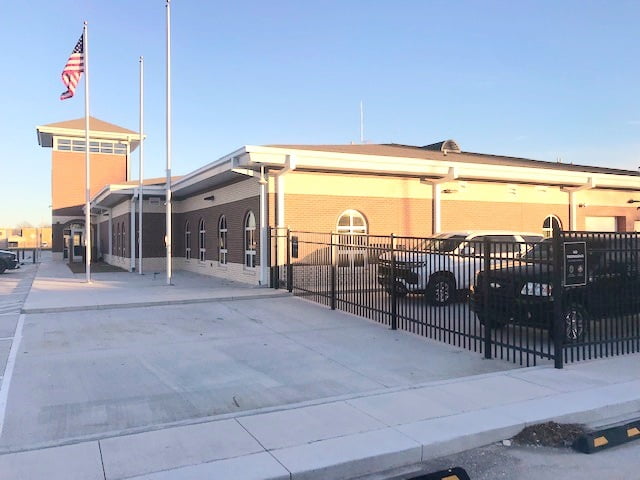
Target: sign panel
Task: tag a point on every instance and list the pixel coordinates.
(575, 264)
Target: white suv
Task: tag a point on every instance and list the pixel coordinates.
(448, 262)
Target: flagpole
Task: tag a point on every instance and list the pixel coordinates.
(87, 213)
(141, 172)
(168, 182)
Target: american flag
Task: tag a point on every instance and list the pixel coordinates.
(73, 69)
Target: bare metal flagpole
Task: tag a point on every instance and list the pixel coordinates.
(87, 213)
(141, 172)
(168, 182)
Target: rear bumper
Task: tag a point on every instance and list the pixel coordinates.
(531, 311)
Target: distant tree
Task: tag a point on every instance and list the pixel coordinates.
(24, 224)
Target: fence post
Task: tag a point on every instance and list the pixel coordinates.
(557, 292)
(289, 267)
(394, 296)
(488, 320)
(333, 274)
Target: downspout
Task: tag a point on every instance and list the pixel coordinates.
(573, 215)
(132, 229)
(110, 234)
(264, 228)
(451, 175)
(289, 165)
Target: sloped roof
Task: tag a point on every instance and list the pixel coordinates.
(95, 124)
(75, 128)
(433, 152)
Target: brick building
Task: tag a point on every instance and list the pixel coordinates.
(222, 211)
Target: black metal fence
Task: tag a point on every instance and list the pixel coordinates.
(507, 297)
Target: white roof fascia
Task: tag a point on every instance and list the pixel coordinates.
(419, 167)
(73, 132)
(223, 164)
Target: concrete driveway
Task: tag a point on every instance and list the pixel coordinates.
(92, 374)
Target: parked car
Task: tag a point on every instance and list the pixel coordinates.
(448, 262)
(523, 293)
(8, 261)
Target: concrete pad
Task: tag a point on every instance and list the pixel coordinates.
(351, 456)
(72, 462)
(134, 455)
(8, 324)
(447, 435)
(401, 407)
(609, 370)
(560, 380)
(309, 424)
(5, 347)
(489, 391)
(55, 290)
(257, 466)
(579, 407)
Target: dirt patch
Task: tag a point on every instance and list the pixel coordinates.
(550, 434)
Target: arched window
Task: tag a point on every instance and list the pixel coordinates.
(250, 244)
(222, 240)
(201, 240)
(118, 239)
(124, 241)
(352, 236)
(549, 224)
(352, 221)
(187, 240)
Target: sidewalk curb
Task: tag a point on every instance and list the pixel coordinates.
(159, 303)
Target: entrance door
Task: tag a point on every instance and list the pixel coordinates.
(76, 239)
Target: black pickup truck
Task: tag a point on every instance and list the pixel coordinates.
(522, 292)
(8, 261)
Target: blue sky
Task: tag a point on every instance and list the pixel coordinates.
(535, 79)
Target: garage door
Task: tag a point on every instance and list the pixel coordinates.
(600, 224)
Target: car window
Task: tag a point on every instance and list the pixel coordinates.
(443, 244)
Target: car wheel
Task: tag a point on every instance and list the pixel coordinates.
(575, 322)
(3, 267)
(441, 290)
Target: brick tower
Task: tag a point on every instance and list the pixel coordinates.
(110, 152)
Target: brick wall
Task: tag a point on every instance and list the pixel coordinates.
(235, 213)
(68, 175)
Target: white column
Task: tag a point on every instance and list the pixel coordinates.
(573, 221)
(132, 256)
(110, 233)
(436, 208)
(264, 231)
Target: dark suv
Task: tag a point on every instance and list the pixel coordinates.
(522, 292)
(8, 260)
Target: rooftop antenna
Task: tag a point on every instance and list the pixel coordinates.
(361, 122)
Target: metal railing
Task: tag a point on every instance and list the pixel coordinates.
(504, 299)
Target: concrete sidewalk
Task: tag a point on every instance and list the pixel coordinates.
(57, 289)
(369, 436)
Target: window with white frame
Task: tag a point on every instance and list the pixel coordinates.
(222, 240)
(250, 244)
(352, 239)
(201, 240)
(549, 224)
(95, 146)
(187, 240)
(352, 222)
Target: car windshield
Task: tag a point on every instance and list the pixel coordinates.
(443, 243)
(539, 252)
